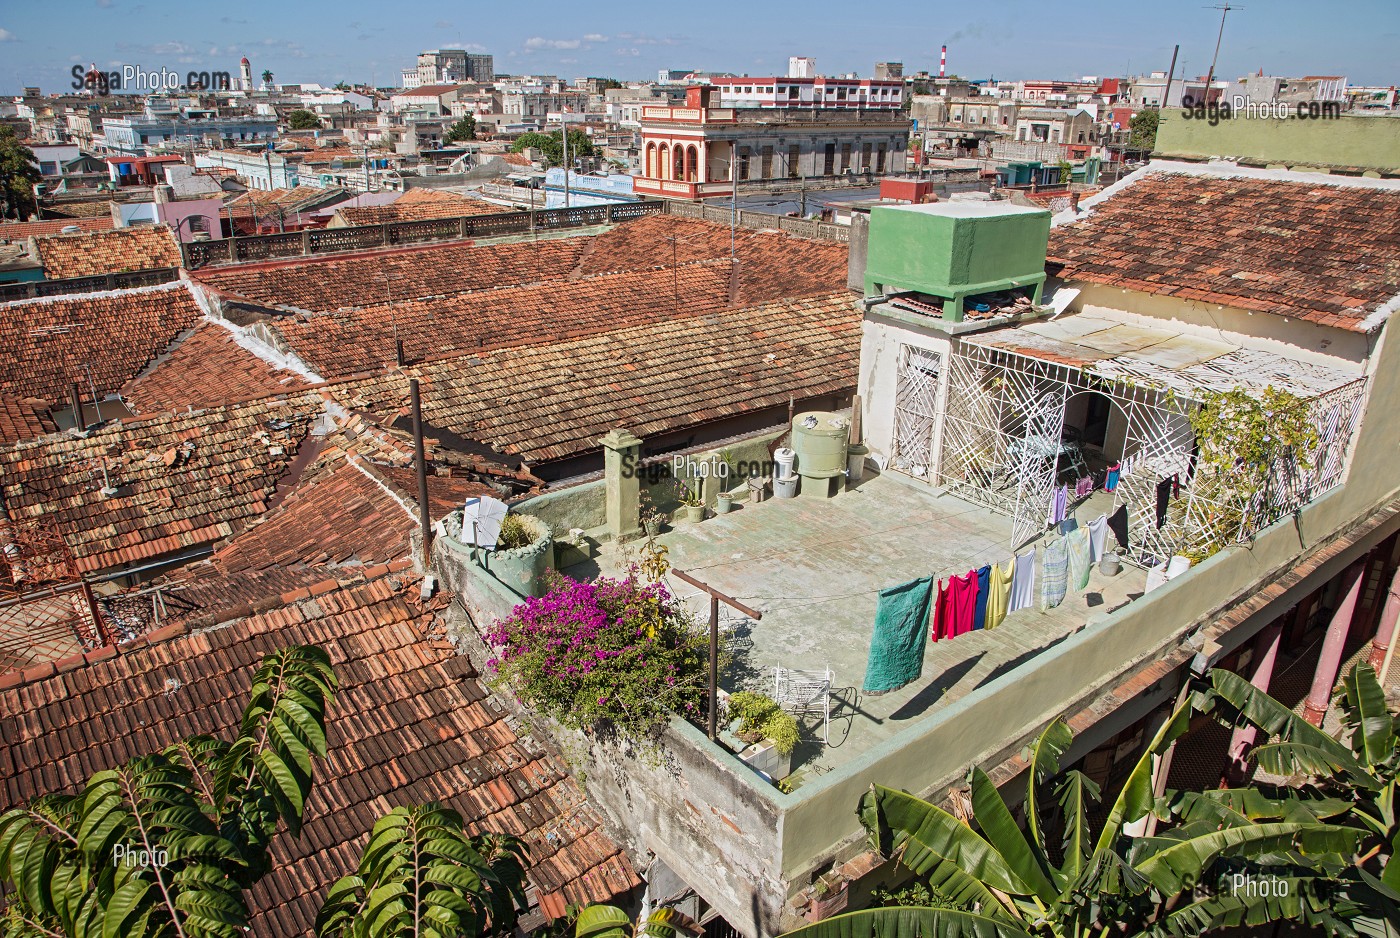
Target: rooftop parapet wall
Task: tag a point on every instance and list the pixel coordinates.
(1357, 143)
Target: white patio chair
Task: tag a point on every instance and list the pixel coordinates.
(804, 692)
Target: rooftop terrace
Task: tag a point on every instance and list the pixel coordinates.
(814, 567)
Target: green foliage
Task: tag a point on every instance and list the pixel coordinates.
(421, 873)
(1142, 129)
(267, 76)
(607, 84)
(760, 714)
(552, 145)
(167, 843)
(611, 655)
(19, 171)
(1242, 439)
(464, 129)
(303, 120)
(1171, 883)
(606, 921)
(918, 895)
(515, 534)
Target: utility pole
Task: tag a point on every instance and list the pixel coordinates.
(733, 201)
(716, 597)
(425, 525)
(564, 138)
(1224, 9)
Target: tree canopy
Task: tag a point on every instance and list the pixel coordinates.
(303, 120)
(464, 129)
(552, 145)
(19, 171)
(1143, 129)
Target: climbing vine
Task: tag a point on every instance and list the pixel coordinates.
(1245, 443)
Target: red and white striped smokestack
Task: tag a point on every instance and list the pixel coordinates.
(943, 63)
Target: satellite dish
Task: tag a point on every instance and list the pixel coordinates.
(481, 521)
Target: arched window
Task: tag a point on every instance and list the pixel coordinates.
(651, 160)
(664, 154)
(692, 162)
(678, 159)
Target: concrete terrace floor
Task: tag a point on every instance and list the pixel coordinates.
(813, 567)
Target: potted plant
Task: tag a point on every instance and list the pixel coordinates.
(651, 518)
(523, 556)
(724, 501)
(771, 733)
(692, 507)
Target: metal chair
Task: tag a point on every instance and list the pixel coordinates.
(804, 692)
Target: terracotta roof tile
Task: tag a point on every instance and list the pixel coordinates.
(550, 401)
(23, 230)
(108, 252)
(175, 481)
(396, 685)
(418, 205)
(23, 419)
(1325, 253)
(107, 338)
(205, 368)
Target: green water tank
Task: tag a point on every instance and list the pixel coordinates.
(820, 440)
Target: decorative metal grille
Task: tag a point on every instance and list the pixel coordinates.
(915, 410)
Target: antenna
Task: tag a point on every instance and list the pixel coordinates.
(1224, 9)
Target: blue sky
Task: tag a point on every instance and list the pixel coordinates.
(358, 40)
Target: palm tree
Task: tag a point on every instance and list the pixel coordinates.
(267, 78)
(1006, 881)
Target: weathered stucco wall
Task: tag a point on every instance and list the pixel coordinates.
(1349, 140)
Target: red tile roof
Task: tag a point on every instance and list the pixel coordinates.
(329, 283)
(22, 230)
(355, 341)
(206, 368)
(1326, 253)
(551, 401)
(411, 723)
(418, 205)
(23, 419)
(106, 338)
(174, 482)
(108, 252)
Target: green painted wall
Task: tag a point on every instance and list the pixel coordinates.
(1371, 143)
(946, 255)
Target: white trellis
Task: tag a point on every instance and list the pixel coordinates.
(915, 410)
(1005, 414)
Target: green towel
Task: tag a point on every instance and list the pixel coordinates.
(901, 630)
(1080, 558)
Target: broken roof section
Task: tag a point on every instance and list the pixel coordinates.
(412, 723)
(418, 205)
(108, 252)
(1323, 249)
(137, 490)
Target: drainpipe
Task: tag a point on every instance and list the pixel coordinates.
(1242, 740)
(1330, 660)
(1386, 630)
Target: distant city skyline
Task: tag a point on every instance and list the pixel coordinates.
(355, 41)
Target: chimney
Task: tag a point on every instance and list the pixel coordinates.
(943, 63)
(164, 192)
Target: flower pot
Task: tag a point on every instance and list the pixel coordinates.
(723, 502)
(689, 514)
(525, 569)
(652, 526)
(763, 757)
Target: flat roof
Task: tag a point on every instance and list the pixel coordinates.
(971, 208)
(814, 567)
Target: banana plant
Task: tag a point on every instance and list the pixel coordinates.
(1360, 772)
(422, 875)
(606, 921)
(165, 845)
(1007, 882)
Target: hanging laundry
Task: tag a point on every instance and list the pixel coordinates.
(1098, 537)
(1059, 504)
(897, 644)
(1118, 524)
(1054, 574)
(962, 603)
(1066, 526)
(938, 615)
(1176, 486)
(1079, 559)
(1110, 479)
(979, 609)
(1164, 497)
(1084, 486)
(999, 590)
(1023, 582)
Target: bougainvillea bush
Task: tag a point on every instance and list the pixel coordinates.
(613, 654)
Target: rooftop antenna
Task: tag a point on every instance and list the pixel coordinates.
(1224, 9)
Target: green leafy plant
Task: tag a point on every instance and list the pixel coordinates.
(611, 655)
(19, 171)
(552, 145)
(1142, 129)
(918, 895)
(515, 534)
(760, 717)
(606, 921)
(422, 874)
(1108, 882)
(463, 129)
(303, 120)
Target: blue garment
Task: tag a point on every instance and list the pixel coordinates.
(1110, 481)
(979, 611)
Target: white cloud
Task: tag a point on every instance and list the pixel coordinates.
(535, 43)
(642, 40)
(104, 4)
(633, 51)
(595, 37)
